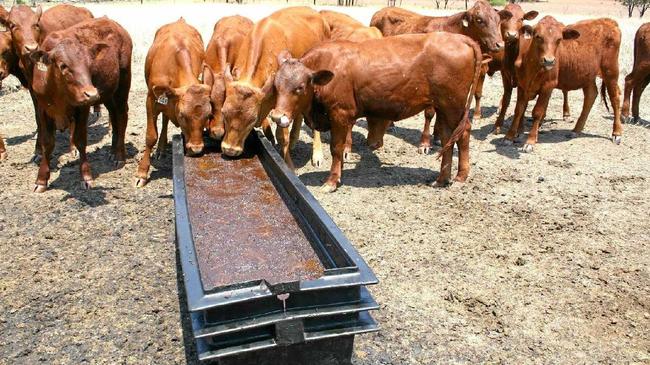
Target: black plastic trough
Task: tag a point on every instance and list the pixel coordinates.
(258, 320)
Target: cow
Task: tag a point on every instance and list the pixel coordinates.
(552, 55)
(639, 78)
(28, 29)
(74, 69)
(8, 64)
(172, 69)
(222, 50)
(249, 93)
(336, 83)
(345, 27)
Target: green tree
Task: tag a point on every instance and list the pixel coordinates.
(641, 5)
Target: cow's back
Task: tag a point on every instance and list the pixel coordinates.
(341, 25)
(642, 45)
(395, 21)
(164, 62)
(295, 29)
(227, 37)
(62, 16)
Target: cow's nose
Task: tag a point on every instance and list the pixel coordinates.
(30, 47)
(549, 60)
(282, 122)
(498, 46)
(511, 35)
(194, 149)
(229, 150)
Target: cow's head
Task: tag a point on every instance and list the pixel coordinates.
(241, 111)
(25, 29)
(192, 108)
(217, 97)
(481, 23)
(294, 86)
(67, 65)
(510, 27)
(544, 39)
(7, 55)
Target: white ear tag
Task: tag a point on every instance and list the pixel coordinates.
(41, 66)
(527, 36)
(3, 28)
(465, 23)
(162, 99)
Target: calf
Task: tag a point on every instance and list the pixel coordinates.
(172, 68)
(639, 78)
(249, 93)
(336, 83)
(223, 49)
(567, 58)
(76, 68)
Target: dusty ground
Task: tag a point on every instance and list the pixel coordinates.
(538, 258)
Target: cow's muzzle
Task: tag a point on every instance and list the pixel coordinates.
(231, 151)
(193, 149)
(548, 63)
(282, 121)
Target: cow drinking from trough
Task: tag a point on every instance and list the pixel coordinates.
(222, 50)
(172, 68)
(336, 83)
(567, 58)
(250, 94)
(74, 69)
(639, 78)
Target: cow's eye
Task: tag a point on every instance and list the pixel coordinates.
(479, 21)
(298, 90)
(64, 68)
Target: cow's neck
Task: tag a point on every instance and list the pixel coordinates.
(185, 75)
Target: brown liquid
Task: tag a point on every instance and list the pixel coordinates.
(242, 229)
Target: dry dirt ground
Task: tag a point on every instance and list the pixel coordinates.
(538, 258)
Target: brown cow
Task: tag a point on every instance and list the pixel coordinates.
(250, 94)
(172, 68)
(28, 29)
(336, 83)
(8, 63)
(76, 68)
(223, 49)
(639, 78)
(567, 58)
(345, 27)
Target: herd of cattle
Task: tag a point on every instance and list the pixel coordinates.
(323, 67)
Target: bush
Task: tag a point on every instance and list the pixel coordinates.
(498, 2)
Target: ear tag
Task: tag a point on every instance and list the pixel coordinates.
(41, 66)
(3, 28)
(465, 23)
(527, 36)
(162, 99)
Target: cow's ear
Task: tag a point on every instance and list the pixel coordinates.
(283, 56)
(465, 19)
(40, 56)
(267, 89)
(526, 31)
(227, 74)
(163, 90)
(98, 48)
(39, 12)
(208, 75)
(4, 15)
(531, 15)
(505, 14)
(570, 33)
(322, 77)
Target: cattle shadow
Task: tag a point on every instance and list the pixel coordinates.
(640, 122)
(16, 140)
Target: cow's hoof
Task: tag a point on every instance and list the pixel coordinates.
(375, 146)
(572, 135)
(441, 183)
(36, 159)
(74, 153)
(497, 130)
(347, 154)
(38, 188)
(507, 142)
(3, 155)
(140, 182)
(567, 118)
(328, 188)
(317, 159)
(424, 150)
(87, 184)
(615, 139)
(527, 148)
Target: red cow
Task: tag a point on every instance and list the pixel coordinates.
(336, 83)
(172, 68)
(639, 78)
(74, 69)
(223, 50)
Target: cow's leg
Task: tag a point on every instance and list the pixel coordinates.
(118, 119)
(339, 134)
(425, 139)
(590, 93)
(46, 142)
(520, 109)
(142, 175)
(630, 84)
(376, 131)
(73, 149)
(162, 139)
(615, 97)
(37, 147)
(348, 147)
(478, 93)
(282, 134)
(463, 154)
(636, 98)
(444, 177)
(267, 130)
(505, 102)
(80, 140)
(566, 111)
(316, 149)
(295, 132)
(538, 114)
(3, 150)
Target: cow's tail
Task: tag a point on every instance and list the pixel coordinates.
(462, 125)
(603, 94)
